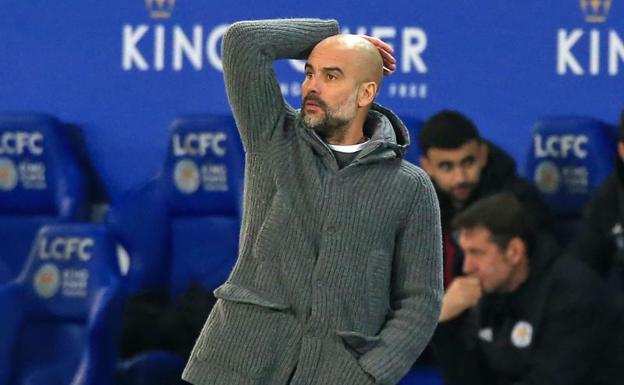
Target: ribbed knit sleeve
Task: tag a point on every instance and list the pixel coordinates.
(249, 49)
(416, 288)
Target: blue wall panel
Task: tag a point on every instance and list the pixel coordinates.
(111, 65)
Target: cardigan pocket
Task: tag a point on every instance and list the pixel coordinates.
(357, 343)
(345, 364)
(235, 293)
(245, 332)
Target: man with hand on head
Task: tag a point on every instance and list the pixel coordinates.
(520, 314)
(338, 278)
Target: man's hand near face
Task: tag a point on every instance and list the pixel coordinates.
(463, 293)
(386, 51)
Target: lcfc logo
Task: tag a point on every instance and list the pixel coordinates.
(8, 174)
(547, 177)
(186, 176)
(47, 280)
(160, 9)
(595, 11)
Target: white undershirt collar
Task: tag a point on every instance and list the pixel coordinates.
(351, 148)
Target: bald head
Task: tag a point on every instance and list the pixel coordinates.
(343, 75)
(365, 56)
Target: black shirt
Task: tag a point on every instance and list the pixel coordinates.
(552, 330)
(344, 158)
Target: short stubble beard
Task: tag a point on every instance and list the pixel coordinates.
(334, 123)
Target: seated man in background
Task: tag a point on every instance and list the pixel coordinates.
(464, 168)
(600, 242)
(519, 314)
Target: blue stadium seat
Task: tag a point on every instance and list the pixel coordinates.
(203, 178)
(569, 158)
(183, 225)
(413, 153)
(422, 375)
(139, 221)
(61, 315)
(41, 181)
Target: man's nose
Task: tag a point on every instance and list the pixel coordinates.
(468, 266)
(311, 85)
(459, 175)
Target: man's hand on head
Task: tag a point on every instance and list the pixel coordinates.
(389, 62)
(462, 294)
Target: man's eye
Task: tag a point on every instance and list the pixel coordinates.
(469, 161)
(330, 77)
(308, 75)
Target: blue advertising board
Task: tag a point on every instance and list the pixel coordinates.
(124, 69)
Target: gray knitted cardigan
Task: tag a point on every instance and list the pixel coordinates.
(338, 279)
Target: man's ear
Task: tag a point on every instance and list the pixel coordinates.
(516, 250)
(367, 93)
(484, 151)
(621, 150)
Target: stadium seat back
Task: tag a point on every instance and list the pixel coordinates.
(182, 226)
(70, 308)
(569, 158)
(204, 250)
(139, 221)
(203, 177)
(41, 181)
(204, 167)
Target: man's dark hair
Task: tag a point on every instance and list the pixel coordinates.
(503, 215)
(448, 130)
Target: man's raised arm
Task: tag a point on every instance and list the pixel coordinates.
(249, 49)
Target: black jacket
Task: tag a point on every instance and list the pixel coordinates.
(600, 242)
(549, 331)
